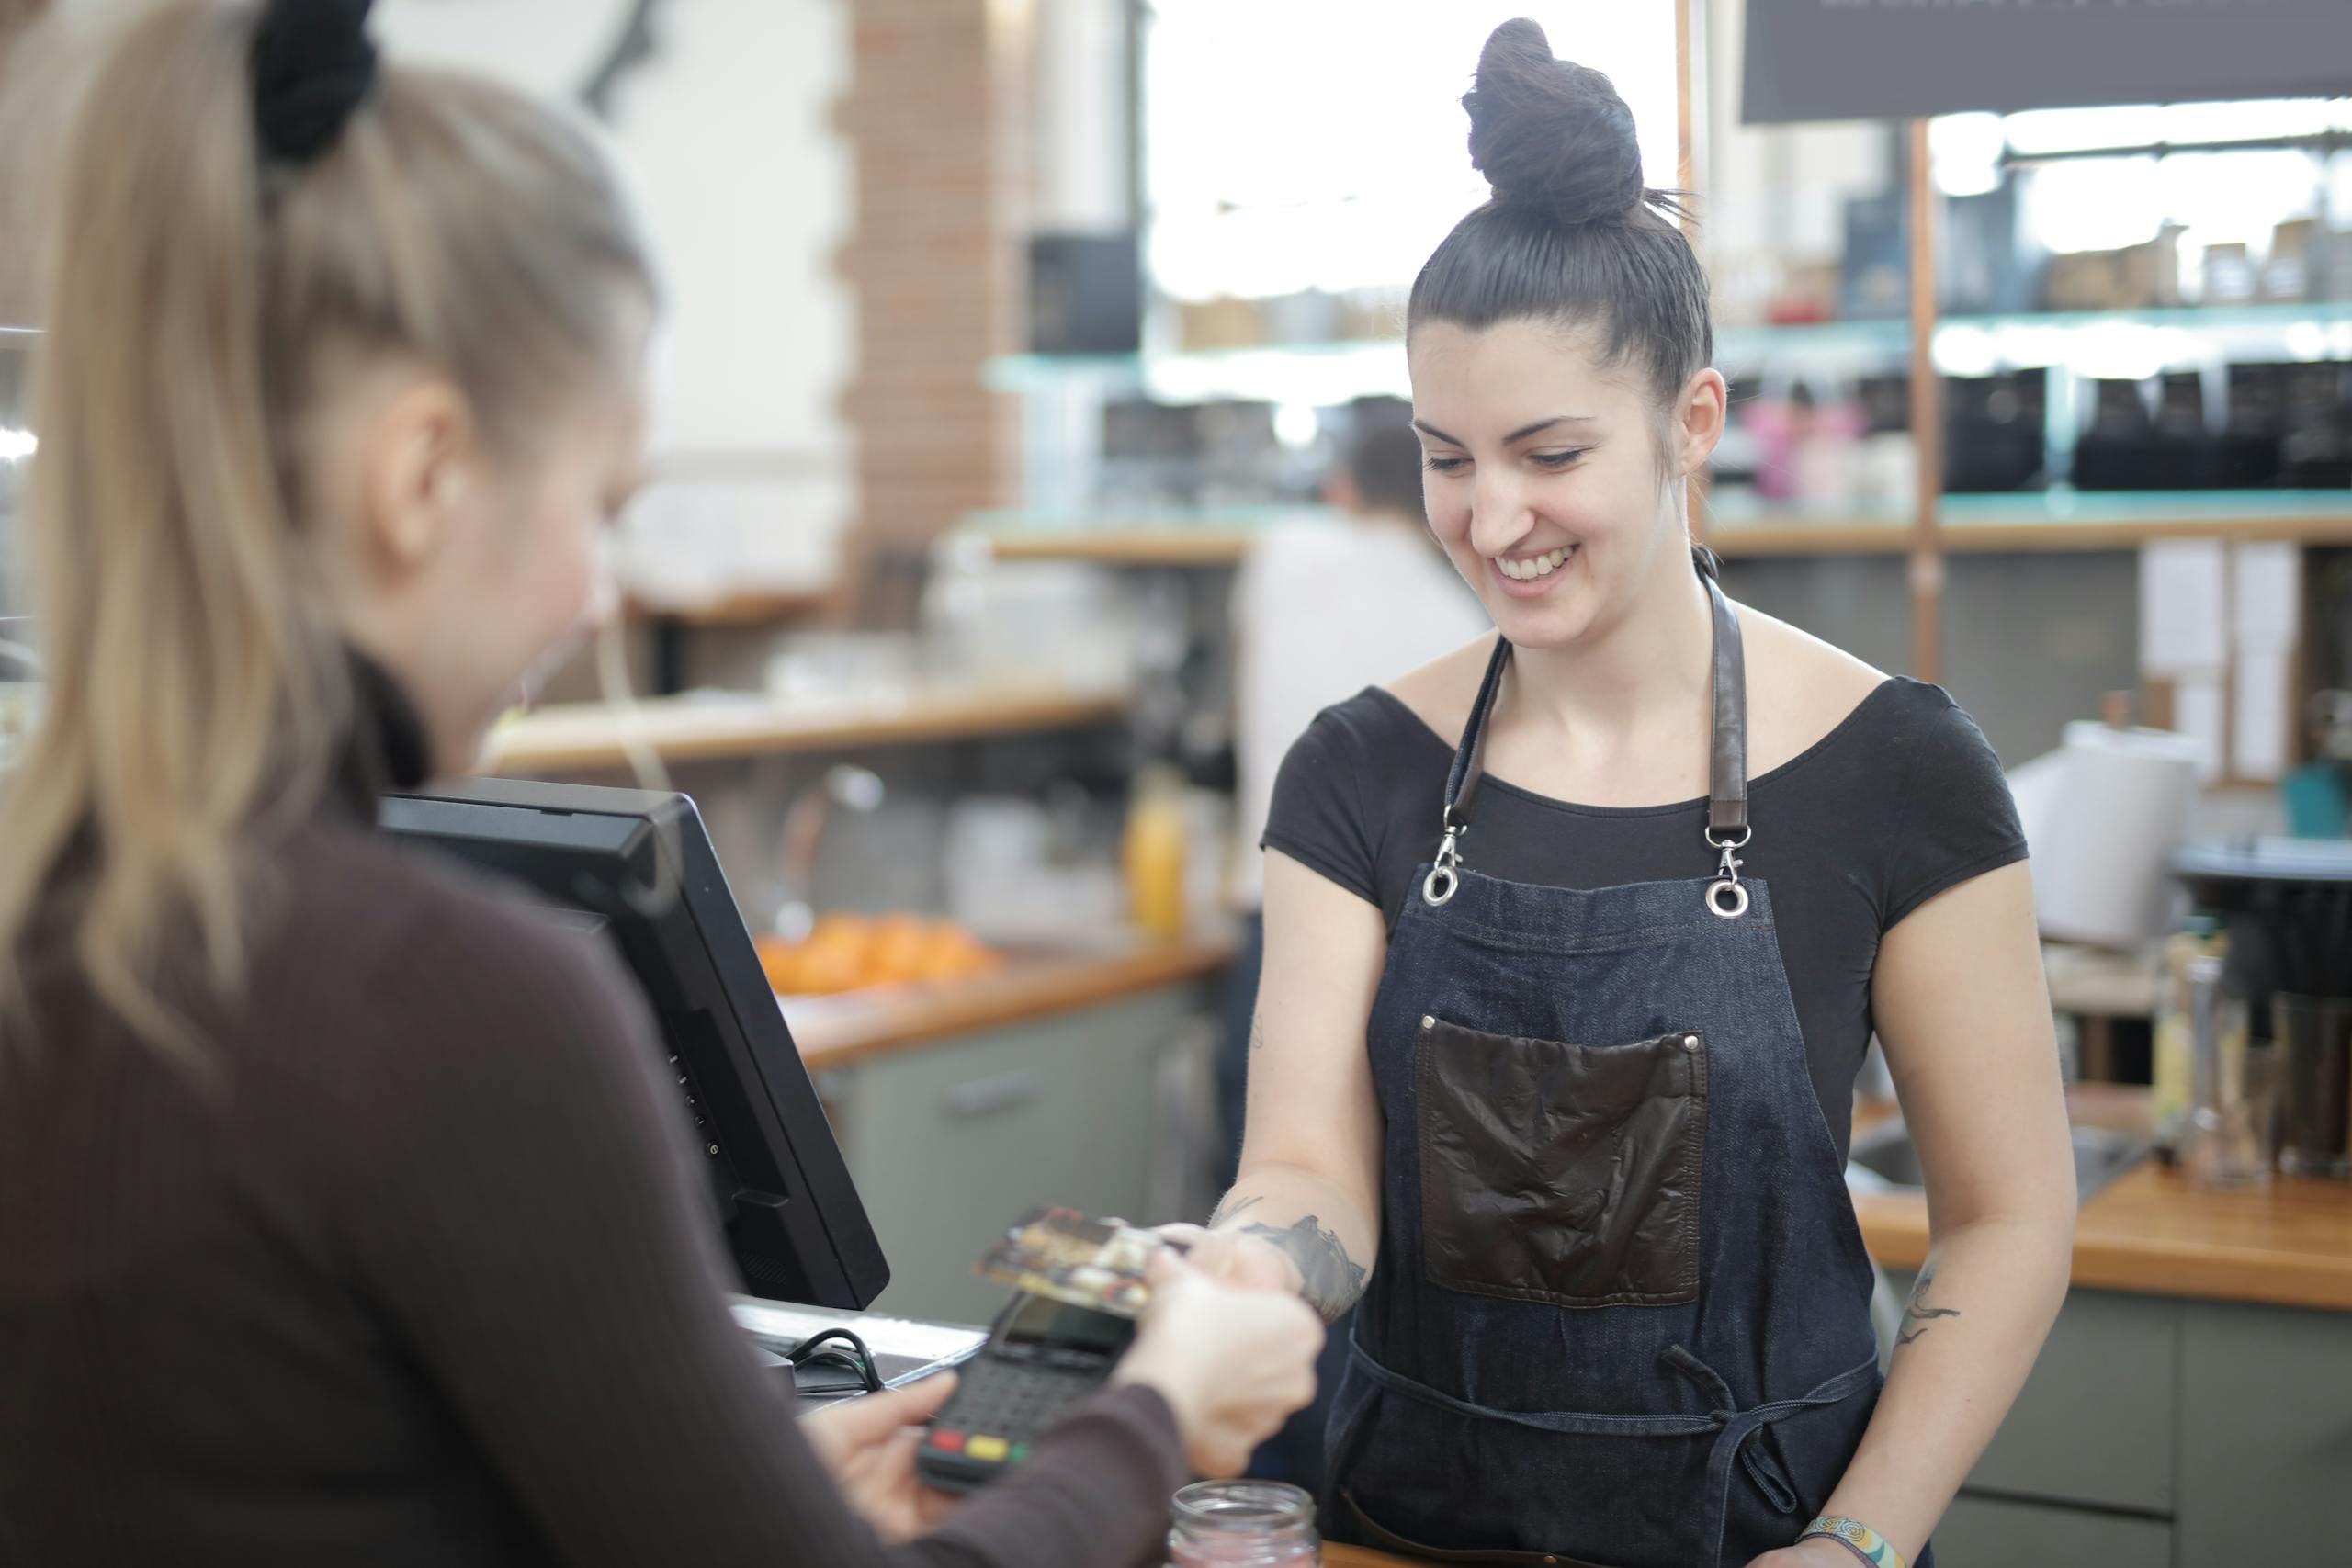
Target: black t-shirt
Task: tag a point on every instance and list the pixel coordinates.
(1901, 801)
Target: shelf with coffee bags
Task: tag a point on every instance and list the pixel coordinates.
(2093, 343)
(2054, 519)
(2152, 421)
(2246, 398)
(1322, 374)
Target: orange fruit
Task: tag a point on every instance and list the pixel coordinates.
(853, 932)
(824, 970)
(953, 954)
(900, 943)
(780, 959)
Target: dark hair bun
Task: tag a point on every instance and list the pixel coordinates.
(1550, 134)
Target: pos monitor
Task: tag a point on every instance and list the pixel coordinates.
(603, 858)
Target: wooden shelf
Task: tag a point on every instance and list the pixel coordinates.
(1988, 532)
(754, 609)
(1972, 525)
(833, 1031)
(1989, 537)
(1322, 372)
(579, 737)
(1173, 546)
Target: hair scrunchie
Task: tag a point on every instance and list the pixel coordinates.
(313, 63)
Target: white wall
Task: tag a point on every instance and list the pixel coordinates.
(1770, 194)
(1079, 116)
(725, 140)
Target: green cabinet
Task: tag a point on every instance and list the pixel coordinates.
(950, 1141)
(2169, 1433)
(2000, 1532)
(2094, 1424)
(2266, 1436)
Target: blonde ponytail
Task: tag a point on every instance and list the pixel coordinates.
(193, 296)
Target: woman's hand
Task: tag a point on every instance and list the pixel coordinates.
(868, 1446)
(1232, 1362)
(1248, 1261)
(1815, 1552)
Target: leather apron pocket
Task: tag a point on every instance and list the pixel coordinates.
(1561, 1173)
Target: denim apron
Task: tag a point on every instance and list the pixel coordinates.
(1622, 1312)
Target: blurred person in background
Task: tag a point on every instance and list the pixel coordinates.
(1575, 939)
(343, 1217)
(1319, 613)
(16, 14)
(16, 305)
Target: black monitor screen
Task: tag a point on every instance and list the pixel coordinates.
(793, 1220)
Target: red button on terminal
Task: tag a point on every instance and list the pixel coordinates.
(947, 1441)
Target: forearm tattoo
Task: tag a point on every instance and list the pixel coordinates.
(1918, 1314)
(1331, 1281)
(1229, 1206)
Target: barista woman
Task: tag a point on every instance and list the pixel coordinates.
(1575, 939)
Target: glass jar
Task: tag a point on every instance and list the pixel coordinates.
(2176, 1029)
(1243, 1524)
(2230, 1124)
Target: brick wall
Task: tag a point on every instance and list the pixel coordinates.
(933, 115)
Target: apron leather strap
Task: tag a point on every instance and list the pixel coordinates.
(1727, 786)
(1470, 757)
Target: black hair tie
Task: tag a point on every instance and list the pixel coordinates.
(313, 64)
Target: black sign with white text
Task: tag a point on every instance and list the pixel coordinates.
(1902, 59)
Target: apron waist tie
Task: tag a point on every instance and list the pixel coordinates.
(1731, 1426)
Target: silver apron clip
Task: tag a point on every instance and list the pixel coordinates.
(1444, 879)
(1725, 898)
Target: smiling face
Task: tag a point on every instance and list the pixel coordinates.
(1552, 481)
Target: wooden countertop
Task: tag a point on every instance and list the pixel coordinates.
(1338, 1556)
(2288, 1244)
(574, 737)
(833, 1031)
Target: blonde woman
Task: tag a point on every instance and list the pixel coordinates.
(340, 1220)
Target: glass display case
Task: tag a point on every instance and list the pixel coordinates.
(2138, 317)
(2152, 302)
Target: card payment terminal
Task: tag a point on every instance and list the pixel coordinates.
(1042, 1358)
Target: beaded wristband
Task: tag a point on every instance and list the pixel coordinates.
(1857, 1538)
